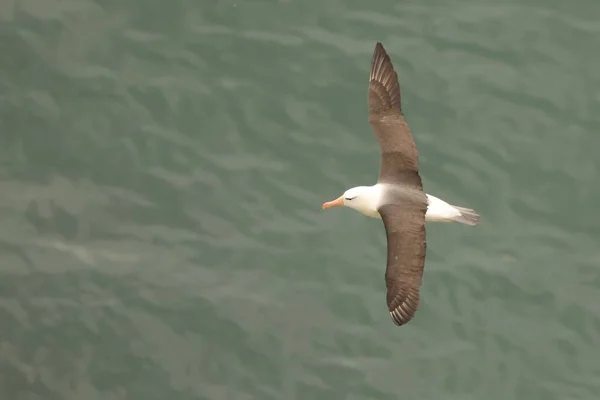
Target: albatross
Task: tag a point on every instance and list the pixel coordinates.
(398, 198)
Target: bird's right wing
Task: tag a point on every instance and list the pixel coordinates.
(399, 158)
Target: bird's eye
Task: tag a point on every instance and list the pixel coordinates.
(350, 198)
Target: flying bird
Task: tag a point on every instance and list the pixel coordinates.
(398, 198)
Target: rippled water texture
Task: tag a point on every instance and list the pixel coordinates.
(163, 166)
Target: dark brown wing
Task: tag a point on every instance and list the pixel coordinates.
(406, 243)
(399, 159)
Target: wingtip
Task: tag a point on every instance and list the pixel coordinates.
(379, 48)
(383, 72)
(380, 56)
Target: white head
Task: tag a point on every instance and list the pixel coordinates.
(363, 199)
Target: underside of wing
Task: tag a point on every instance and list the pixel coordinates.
(406, 242)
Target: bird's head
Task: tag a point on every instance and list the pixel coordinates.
(361, 198)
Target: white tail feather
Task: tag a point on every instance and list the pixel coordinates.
(467, 216)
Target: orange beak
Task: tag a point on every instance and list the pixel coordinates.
(334, 203)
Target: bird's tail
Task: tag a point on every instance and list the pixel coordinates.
(467, 216)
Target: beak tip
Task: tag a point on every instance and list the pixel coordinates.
(334, 203)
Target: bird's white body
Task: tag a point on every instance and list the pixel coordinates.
(366, 200)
